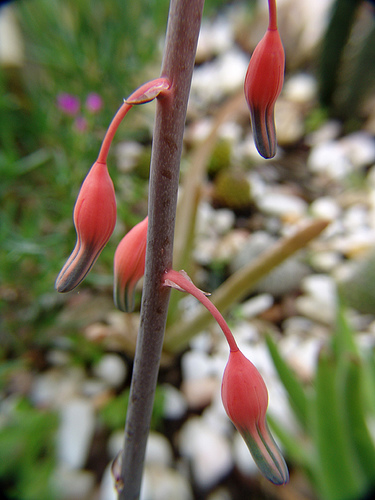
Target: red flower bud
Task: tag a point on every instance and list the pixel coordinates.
(263, 83)
(245, 399)
(94, 220)
(129, 265)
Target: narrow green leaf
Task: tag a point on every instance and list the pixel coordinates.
(355, 412)
(294, 388)
(344, 337)
(340, 476)
(336, 36)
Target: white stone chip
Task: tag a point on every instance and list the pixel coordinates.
(75, 432)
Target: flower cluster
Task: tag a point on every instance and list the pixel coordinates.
(70, 105)
(244, 393)
(94, 213)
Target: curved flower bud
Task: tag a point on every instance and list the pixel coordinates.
(263, 83)
(94, 220)
(129, 265)
(245, 399)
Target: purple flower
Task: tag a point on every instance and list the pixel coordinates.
(94, 102)
(68, 103)
(80, 124)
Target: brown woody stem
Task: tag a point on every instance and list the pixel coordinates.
(181, 41)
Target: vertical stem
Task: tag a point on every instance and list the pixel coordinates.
(181, 41)
(272, 24)
(107, 141)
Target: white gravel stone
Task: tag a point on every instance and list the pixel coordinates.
(325, 261)
(300, 88)
(215, 416)
(208, 451)
(74, 484)
(224, 75)
(175, 405)
(319, 303)
(330, 159)
(53, 388)
(325, 207)
(199, 392)
(328, 132)
(56, 357)
(215, 37)
(359, 148)
(244, 331)
(257, 305)
(75, 432)
(162, 483)
(300, 352)
(127, 153)
(355, 217)
(289, 122)
(11, 39)
(112, 369)
(115, 443)
(196, 365)
(201, 342)
(93, 387)
(214, 222)
(158, 450)
(280, 204)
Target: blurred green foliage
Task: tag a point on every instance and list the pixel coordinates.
(346, 70)
(27, 452)
(112, 414)
(333, 442)
(75, 47)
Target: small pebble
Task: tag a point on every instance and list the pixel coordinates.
(112, 369)
(74, 484)
(279, 204)
(325, 207)
(329, 158)
(208, 452)
(175, 404)
(300, 88)
(163, 483)
(75, 432)
(158, 450)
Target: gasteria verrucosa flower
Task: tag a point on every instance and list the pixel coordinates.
(245, 399)
(129, 265)
(263, 83)
(94, 220)
(95, 209)
(243, 391)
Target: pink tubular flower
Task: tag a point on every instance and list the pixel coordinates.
(94, 103)
(243, 391)
(263, 83)
(129, 265)
(68, 103)
(245, 399)
(94, 220)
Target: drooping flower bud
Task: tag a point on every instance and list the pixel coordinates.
(243, 391)
(94, 220)
(263, 83)
(245, 399)
(129, 265)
